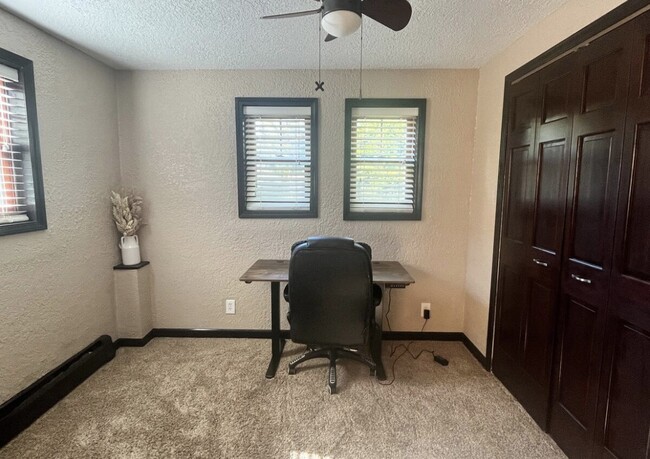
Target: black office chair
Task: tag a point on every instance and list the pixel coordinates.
(331, 301)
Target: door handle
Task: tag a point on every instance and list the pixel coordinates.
(540, 262)
(581, 279)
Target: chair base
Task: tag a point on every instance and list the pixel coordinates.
(333, 354)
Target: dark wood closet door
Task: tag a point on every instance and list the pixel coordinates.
(597, 141)
(624, 411)
(516, 236)
(530, 278)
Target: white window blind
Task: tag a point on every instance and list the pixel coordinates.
(278, 155)
(16, 183)
(383, 159)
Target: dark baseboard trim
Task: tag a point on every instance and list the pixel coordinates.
(266, 334)
(24, 408)
(421, 336)
(439, 336)
(213, 333)
(478, 355)
(134, 342)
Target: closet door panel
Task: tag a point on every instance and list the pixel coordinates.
(553, 135)
(592, 187)
(511, 312)
(556, 98)
(637, 232)
(596, 147)
(623, 429)
(551, 191)
(531, 248)
(521, 173)
(538, 337)
(544, 259)
(576, 381)
(515, 235)
(601, 88)
(627, 417)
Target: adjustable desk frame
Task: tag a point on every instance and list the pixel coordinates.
(388, 273)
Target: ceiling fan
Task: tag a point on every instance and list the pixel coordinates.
(343, 17)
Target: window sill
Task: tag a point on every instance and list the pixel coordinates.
(287, 214)
(21, 227)
(370, 216)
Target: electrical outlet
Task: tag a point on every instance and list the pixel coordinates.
(230, 306)
(424, 306)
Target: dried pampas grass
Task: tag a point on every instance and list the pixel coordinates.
(127, 212)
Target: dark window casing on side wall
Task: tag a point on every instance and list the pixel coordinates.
(36, 209)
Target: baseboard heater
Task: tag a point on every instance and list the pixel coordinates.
(20, 411)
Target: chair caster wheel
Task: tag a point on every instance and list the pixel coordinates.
(292, 371)
(332, 380)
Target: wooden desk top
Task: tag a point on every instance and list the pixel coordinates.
(388, 272)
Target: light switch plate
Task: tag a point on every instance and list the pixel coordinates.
(230, 306)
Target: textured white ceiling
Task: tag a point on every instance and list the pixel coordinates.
(228, 34)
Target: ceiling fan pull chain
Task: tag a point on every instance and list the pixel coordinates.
(320, 83)
(361, 61)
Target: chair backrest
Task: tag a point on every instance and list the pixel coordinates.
(331, 292)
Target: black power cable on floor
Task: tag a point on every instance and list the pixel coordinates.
(390, 291)
(406, 347)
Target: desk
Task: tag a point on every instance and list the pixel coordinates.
(385, 273)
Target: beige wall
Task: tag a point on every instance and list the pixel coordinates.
(177, 145)
(565, 21)
(57, 285)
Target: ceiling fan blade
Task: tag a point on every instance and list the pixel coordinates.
(330, 37)
(293, 15)
(394, 14)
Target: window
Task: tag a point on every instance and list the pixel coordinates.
(277, 150)
(384, 149)
(22, 206)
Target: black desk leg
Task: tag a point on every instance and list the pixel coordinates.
(277, 343)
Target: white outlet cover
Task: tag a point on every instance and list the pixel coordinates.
(230, 306)
(424, 306)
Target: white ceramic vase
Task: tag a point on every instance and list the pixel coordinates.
(130, 246)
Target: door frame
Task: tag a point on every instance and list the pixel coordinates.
(619, 15)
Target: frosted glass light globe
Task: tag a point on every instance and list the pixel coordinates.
(341, 22)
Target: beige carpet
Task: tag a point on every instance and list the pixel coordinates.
(209, 398)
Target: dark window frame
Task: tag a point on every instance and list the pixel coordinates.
(312, 104)
(421, 105)
(36, 212)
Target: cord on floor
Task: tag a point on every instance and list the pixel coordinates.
(406, 347)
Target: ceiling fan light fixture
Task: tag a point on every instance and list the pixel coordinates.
(341, 23)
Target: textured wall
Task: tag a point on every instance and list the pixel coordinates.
(57, 285)
(485, 163)
(177, 146)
